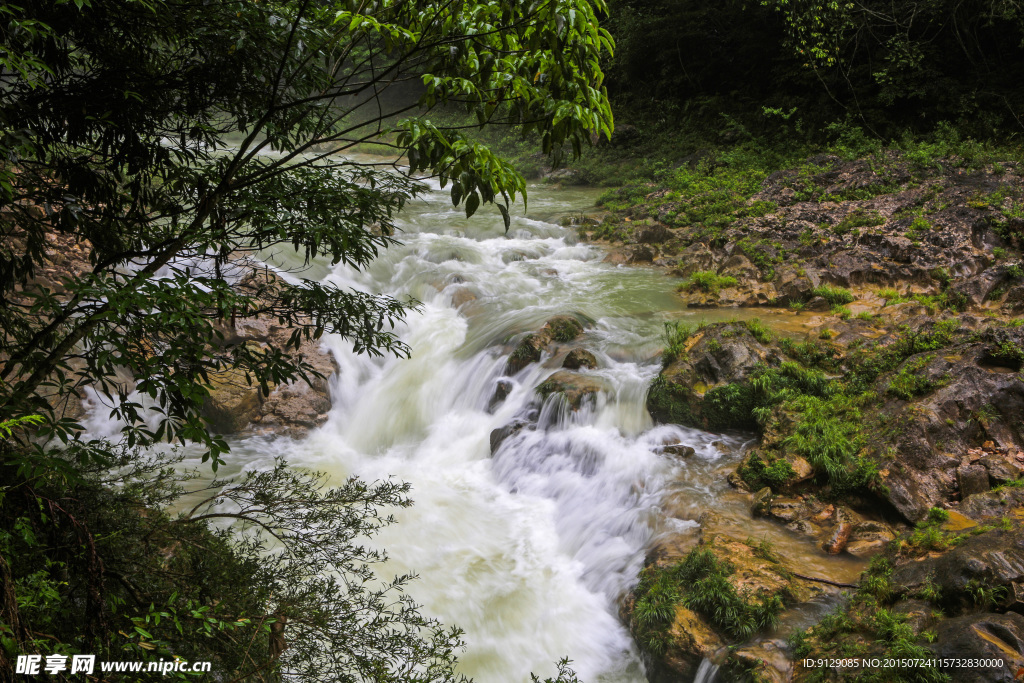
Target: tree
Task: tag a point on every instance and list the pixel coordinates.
(168, 141)
(114, 115)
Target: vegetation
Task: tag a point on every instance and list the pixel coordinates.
(699, 582)
(707, 281)
(867, 627)
(835, 296)
(169, 142)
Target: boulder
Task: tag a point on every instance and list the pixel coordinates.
(982, 636)
(233, 402)
(579, 358)
(559, 329)
(574, 387)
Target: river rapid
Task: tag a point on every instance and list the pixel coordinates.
(531, 550)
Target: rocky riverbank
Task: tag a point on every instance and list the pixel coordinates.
(235, 405)
(888, 415)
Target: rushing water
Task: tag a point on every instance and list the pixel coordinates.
(528, 551)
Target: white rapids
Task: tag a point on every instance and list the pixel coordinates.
(529, 551)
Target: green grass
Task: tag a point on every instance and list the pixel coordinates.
(757, 474)
(675, 335)
(835, 296)
(908, 383)
(707, 281)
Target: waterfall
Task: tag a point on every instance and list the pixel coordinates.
(707, 672)
(531, 549)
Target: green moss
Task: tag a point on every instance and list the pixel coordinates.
(565, 329)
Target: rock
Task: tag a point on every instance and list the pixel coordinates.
(802, 470)
(1015, 598)
(995, 558)
(579, 358)
(695, 257)
(233, 402)
(678, 450)
(1000, 470)
(294, 409)
(765, 661)
(972, 479)
(736, 481)
(691, 640)
(762, 502)
(501, 391)
(573, 387)
(691, 637)
(918, 613)
(559, 329)
(639, 254)
(501, 434)
(721, 354)
(991, 504)
(787, 509)
(869, 538)
(840, 534)
(653, 234)
(982, 636)
(462, 296)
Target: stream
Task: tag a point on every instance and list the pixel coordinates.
(529, 551)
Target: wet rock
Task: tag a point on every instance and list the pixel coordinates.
(690, 641)
(233, 402)
(501, 434)
(293, 410)
(720, 354)
(836, 542)
(462, 296)
(762, 502)
(869, 538)
(766, 661)
(678, 450)
(995, 558)
(982, 636)
(573, 387)
(972, 479)
(579, 358)
(559, 329)
(692, 636)
(502, 389)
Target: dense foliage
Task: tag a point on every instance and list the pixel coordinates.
(886, 66)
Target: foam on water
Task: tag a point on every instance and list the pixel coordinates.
(528, 551)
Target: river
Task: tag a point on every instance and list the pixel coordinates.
(529, 551)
